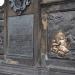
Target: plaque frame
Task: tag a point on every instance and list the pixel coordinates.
(36, 29)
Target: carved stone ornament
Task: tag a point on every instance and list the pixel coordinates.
(44, 21)
(60, 45)
(19, 5)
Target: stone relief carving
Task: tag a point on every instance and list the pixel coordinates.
(60, 44)
(19, 5)
(64, 21)
(54, 22)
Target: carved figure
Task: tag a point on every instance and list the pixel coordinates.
(60, 44)
(45, 21)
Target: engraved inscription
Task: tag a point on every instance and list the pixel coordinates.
(20, 36)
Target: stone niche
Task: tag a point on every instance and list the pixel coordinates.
(62, 21)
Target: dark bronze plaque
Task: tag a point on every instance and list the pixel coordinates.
(20, 36)
(62, 21)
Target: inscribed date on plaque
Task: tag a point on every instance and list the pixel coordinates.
(20, 36)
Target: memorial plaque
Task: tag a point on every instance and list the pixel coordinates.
(20, 36)
(62, 21)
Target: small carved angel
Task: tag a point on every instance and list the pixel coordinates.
(60, 44)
